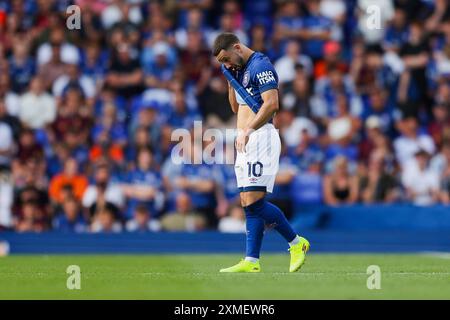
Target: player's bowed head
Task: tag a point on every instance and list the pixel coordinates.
(229, 51)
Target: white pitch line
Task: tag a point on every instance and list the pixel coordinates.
(302, 273)
(437, 254)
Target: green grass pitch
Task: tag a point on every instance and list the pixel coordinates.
(324, 276)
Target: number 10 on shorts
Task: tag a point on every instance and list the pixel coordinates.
(255, 169)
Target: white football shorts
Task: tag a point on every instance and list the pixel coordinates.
(257, 167)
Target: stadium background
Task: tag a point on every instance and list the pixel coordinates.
(86, 177)
(86, 117)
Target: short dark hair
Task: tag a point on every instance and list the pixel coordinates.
(223, 42)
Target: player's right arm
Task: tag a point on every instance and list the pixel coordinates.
(232, 98)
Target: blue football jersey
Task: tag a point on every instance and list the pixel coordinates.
(257, 76)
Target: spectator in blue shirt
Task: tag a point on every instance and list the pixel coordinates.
(287, 26)
(143, 186)
(197, 181)
(108, 95)
(195, 21)
(74, 79)
(397, 31)
(94, 63)
(316, 30)
(226, 179)
(307, 196)
(180, 116)
(307, 152)
(148, 117)
(378, 105)
(258, 40)
(327, 91)
(184, 6)
(108, 128)
(22, 67)
(141, 140)
(259, 12)
(77, 148)
(226, 186)
(70, 218)
(158, 62)
(307, 186)
(55, 162)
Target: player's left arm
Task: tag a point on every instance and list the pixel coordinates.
(266, 78)
(269, 107)
(267, 110)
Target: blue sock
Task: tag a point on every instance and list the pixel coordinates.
(255, 233)
(272, 215)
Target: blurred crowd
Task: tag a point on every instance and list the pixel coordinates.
(86, 115)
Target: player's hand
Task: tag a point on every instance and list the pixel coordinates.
(242, 139)
(224, 69)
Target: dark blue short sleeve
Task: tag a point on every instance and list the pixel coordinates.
(264, 75)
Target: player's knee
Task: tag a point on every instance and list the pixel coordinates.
(249, 197)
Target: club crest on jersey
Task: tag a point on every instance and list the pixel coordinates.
(246, 78)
